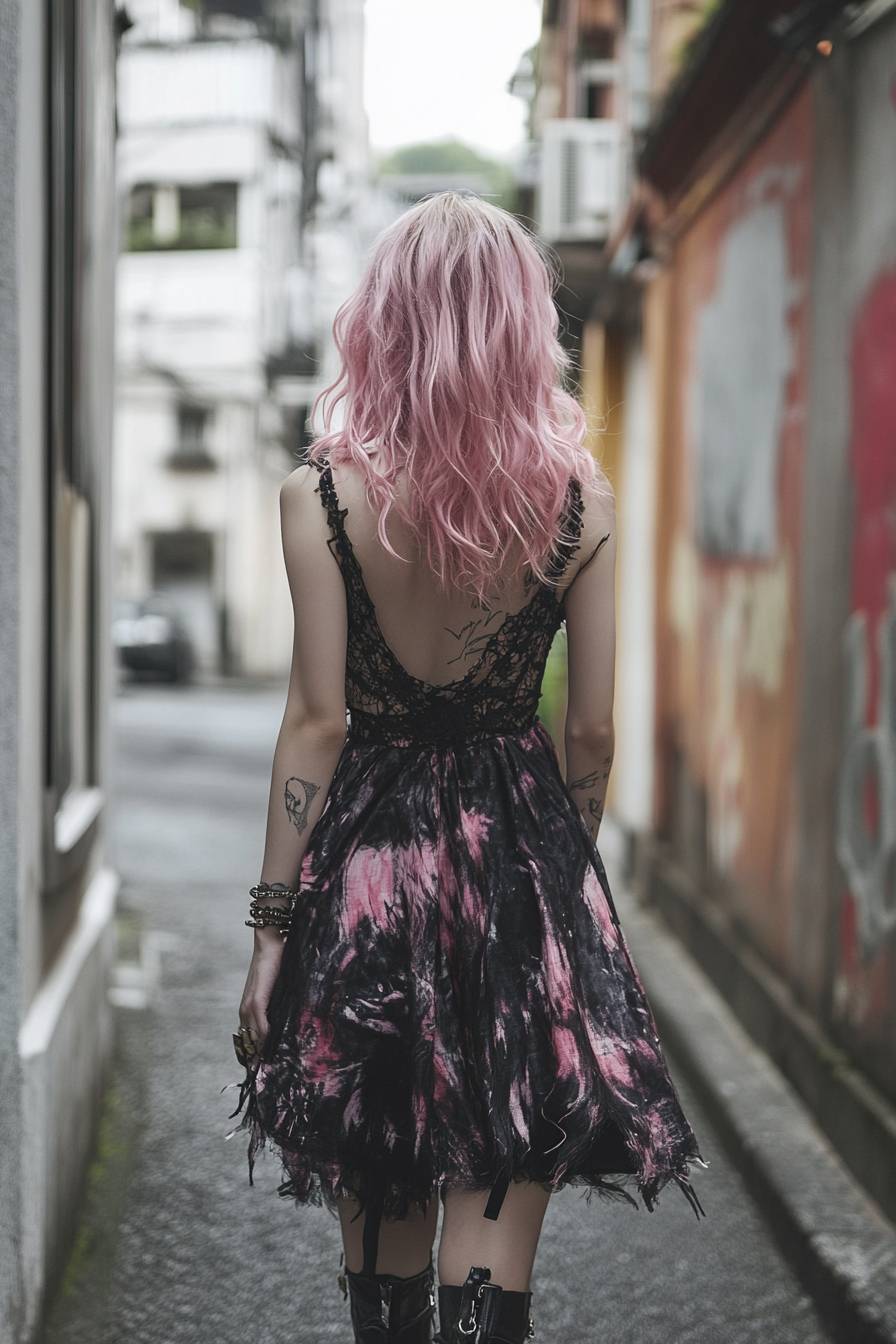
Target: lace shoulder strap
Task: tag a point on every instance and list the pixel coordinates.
(335, 514)
(570, 533)
(566, 545)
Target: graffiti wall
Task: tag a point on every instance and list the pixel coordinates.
(866, 794)
(729, 556)
(781, 387)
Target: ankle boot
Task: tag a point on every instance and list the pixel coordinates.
(482, 1312)
(388, 1309)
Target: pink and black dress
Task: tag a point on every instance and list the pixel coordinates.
(457, 1003)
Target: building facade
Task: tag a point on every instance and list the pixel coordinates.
(242, 155)
(587, 84)
(739, 325)
(57, 890)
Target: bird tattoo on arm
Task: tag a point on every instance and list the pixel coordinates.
(298, 796)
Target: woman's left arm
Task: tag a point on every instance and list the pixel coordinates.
(312, 733)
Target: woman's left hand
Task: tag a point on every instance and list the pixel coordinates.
(263, 971)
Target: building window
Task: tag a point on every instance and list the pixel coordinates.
(598, 101)
(238, 9)
(297, 435)
(81, 190)
(597, 42)
(191, 425)
(597, 89)
(165, 217)
(191, 451)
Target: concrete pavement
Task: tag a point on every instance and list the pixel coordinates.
(176, 1248)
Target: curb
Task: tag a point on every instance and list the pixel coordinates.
(839, 1242)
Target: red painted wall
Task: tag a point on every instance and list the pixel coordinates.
(863, 999)
(734, 442)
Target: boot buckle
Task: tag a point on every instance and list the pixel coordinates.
(471, 1325)
(386, 1301)
(473, 1289)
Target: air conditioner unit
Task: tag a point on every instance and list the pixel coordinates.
(580, 179)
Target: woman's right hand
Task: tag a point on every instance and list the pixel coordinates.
(263, 971)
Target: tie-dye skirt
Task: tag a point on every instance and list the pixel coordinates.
(456, 1001)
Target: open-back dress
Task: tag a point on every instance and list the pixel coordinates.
(456, 1002)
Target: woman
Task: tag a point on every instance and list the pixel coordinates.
(441, 1002)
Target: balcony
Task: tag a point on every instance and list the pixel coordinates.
(165, 90)
(580, 178)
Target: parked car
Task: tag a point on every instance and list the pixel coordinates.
(150, 637)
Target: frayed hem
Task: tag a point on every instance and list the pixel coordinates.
(323, 1182)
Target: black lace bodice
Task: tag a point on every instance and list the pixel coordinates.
(499, 693)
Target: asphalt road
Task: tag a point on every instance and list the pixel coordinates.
(175, 1247)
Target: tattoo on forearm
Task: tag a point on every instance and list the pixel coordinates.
(298, 796)
(596, 780)
(600, 775)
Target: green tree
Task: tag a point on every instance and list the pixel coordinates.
(453, 156)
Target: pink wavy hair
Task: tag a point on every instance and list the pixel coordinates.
(452, 369)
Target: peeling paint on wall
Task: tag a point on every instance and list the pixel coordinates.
(734, 443)
(681, 591)
(866, 802)
(743, 359)
(866, 796)
(769, 624)
(749, 644)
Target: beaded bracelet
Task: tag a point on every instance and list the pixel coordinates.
(262, 921)
(258, 905)
(275, 889)
(270, 914)
(262, 916)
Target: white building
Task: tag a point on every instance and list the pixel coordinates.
(242, 163)
(57, 890)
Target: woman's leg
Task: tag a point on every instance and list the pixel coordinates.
(507, 1245)
(405, 1246)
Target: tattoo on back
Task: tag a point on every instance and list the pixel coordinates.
(474, 635)
(299, 795)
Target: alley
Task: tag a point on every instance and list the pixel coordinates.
(176, 1247)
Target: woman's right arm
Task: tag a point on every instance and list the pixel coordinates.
(590, 605)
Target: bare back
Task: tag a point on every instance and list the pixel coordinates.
(423, 664)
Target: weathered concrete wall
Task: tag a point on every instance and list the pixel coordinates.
(57, 1036)
(776, 554)
(854, 453)
(10, 862)
(734, 423)
(636, 655)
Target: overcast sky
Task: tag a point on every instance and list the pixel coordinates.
(436, 68)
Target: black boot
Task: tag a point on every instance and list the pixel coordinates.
(481, 1312)
(370, 1313)
(412, 1306)
(387, 1309)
